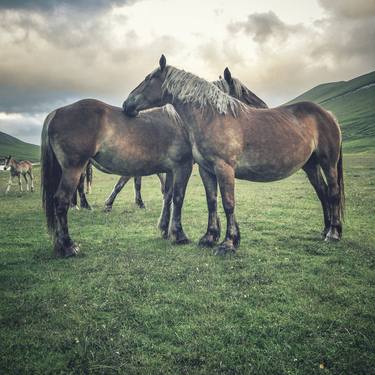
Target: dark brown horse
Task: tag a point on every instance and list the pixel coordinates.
(232, 140)
(18, 169)
(229, 85)
(154, 142)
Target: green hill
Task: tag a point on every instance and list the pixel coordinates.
(353, 103)
(19, 150)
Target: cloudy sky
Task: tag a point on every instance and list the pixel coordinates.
(55, 52)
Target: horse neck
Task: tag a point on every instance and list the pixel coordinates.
(13, 165)
(192, 117)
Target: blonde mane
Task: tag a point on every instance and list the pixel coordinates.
(189, 88)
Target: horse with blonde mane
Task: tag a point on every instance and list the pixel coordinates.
(230, 139)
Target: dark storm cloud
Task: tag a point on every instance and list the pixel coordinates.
(50, 5)
(47, 62)
(263, 26)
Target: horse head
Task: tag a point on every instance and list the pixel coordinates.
(149, 93)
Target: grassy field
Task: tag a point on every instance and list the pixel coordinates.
(132, 303)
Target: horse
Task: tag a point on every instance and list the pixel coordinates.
(18, 169)
(90, 130)
(137, 190)
(230, 139)
(229, 85)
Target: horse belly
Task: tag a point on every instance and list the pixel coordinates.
(121, 164)
(266, 169)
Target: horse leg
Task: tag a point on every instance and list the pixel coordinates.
(73, 201)
(10, 182)
(64, 245)
(180, 179)
(137, 191)
(162, 182)
(166, 210)
(314, 174)
(334, 232)
(226, 179)
(31, 180)
(82, 195)
(20, 183)
(27, 182)
(117, 188)
(213, 228)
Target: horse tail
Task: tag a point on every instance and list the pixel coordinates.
(89, 176)
(340, 181)
(50, 176)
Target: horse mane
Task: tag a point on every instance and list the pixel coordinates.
(241, 92)
(172, 114)
(189, 88)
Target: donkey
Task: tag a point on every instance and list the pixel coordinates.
(231, 140)
(229, 85)
(154, 142)
(18, 169)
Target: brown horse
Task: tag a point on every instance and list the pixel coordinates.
(18, 169)
(137, 190)
(154, 142)
(229, 85)
(230, 139)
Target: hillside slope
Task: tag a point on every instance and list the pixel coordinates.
(353, 103)
(10, 145)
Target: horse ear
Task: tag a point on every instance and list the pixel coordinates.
(162, 62)
(227, 75)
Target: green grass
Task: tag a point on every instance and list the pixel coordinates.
(132, 303)
(354, 106)
(19, 150)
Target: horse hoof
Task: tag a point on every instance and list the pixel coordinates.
(179, 239)
(71, 251)
(182, 241)
(207, 241)
(164, 233)
(224, 249)
(332, 236)
(107, 209)
(140, 205)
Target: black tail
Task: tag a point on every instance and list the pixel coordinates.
(50, 176)
(89, 175)
(340, 181)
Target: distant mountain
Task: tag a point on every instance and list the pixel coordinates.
(353, 103)
(19, 150)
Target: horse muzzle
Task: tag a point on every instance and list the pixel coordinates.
(129, 108)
